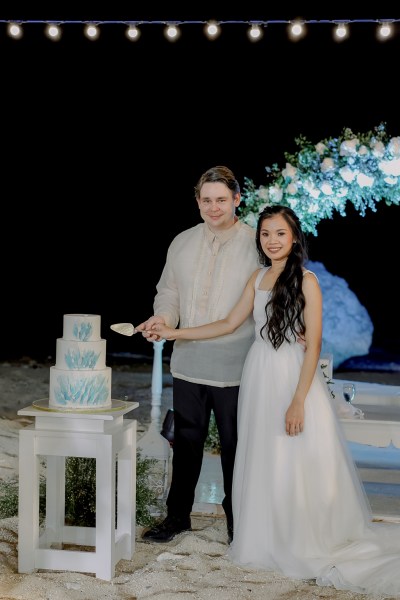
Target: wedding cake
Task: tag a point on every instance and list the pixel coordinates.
(80, 378)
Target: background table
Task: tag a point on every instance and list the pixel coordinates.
(379, 427)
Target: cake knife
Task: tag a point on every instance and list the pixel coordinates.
(124, 328)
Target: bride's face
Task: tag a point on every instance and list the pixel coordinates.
(276, 238)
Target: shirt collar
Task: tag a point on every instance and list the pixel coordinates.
(222, 236)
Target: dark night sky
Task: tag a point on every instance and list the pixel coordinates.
(132, 126)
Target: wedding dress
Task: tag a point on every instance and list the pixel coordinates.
(299, 505)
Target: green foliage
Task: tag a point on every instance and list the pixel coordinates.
(80, 493)
(362, 168)
(146, 498)
(9, 498)
(213, 443)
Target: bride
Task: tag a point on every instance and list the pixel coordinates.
(299, 507)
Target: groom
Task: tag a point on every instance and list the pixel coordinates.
(206, 270)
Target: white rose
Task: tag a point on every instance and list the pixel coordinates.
(289, 171)
(314, 193)
(320, 148)
(292, 189)
(263, 193)
(347, 174)
(378, 148)
(390, 180)
(275, 193)
(309, 186)
(365, 180)
(349, 147)
(390, 167)
(313, 208)
(326, 189)
(394, 146)
(327, 165)
(342, 192)
(251, 219)
(363, 150)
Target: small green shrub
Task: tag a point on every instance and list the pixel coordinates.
(147, 501)
(80, 493)
(212, 443)
(9, 497)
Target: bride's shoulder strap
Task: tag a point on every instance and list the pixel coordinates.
(312, 273)
(260, 275)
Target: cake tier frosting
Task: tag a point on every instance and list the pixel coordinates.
(80, 378)
(80, 355)
(82, 328)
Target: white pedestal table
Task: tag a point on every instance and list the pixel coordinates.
(55, 435)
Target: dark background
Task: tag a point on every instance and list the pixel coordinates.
(104, 141)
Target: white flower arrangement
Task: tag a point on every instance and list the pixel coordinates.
(361, 168)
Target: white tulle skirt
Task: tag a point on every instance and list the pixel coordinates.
(299, 505)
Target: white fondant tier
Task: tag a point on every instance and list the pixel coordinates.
(75, 355)
(83, 328)
(80, 388)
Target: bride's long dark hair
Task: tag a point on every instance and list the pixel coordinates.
(284, 309)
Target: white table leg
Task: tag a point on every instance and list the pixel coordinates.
(126, 495)
(105, 509)
(55, 499)
(28, 502)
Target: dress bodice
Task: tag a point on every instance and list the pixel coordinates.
(261, 298)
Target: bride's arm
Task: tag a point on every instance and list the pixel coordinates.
(313, 341)
(236, 317)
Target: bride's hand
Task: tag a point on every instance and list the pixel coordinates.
(163, 331)
(145, 328)
(294, 419)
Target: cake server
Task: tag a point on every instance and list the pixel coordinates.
(124, 328)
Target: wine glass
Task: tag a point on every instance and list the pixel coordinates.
(349, 392)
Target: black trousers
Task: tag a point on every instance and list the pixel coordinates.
(192, 404)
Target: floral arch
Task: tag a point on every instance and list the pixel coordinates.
(362, 168)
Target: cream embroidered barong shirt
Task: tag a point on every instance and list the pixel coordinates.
(203, 278)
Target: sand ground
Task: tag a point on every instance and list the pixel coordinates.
(193, 566)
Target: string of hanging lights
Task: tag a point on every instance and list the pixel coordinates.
(297, 29)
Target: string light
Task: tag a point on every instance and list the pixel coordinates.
(255, 32)
(91, 31)
(385, 30)
(297, 30)
(341, 31)
(14, 30)
(53, 31)
(172, 32)
(132, 33)
(212, 29)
